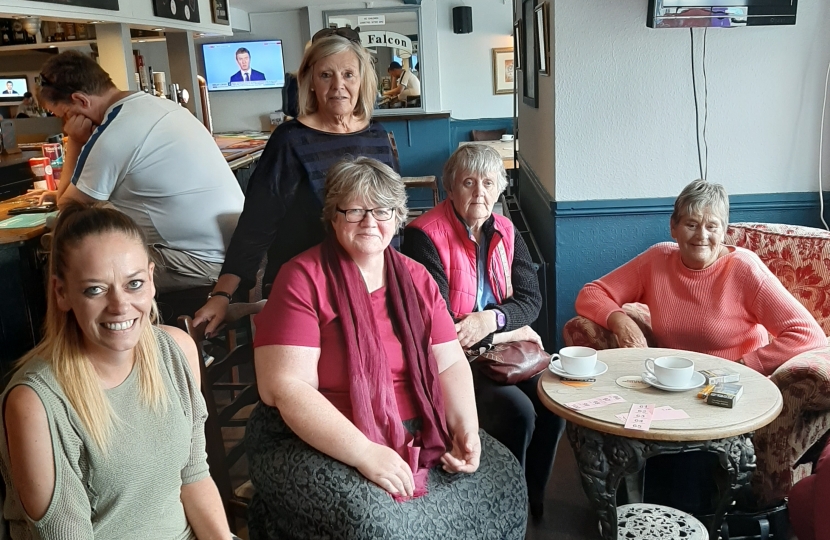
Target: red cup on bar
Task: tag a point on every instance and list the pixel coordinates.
(42, 168)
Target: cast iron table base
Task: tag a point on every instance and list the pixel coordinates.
(604, 459)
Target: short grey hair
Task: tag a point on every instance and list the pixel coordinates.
(477, 159)
(699, 198)
(364, 178)
(326, 47)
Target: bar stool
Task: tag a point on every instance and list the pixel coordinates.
(423, 182)
(642, 521)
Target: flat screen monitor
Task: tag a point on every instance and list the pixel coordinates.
(720, 13)
(244, 65)
(12, 88)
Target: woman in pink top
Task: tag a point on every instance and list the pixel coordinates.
(706, 297)
(367, 426)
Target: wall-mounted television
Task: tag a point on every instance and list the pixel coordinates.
(244, 65)
(12, 88)
(719, 13)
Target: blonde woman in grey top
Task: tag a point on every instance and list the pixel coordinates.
(104, 421)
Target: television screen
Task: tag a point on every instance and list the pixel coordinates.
(720, 13)
(244, 65)
(12, 88)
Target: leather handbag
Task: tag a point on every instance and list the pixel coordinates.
(510, 363)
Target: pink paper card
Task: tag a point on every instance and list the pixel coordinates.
(594, 403)
(639, 417)
(661, 413)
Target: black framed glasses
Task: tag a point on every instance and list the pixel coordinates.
(356, 215)
(347, 33)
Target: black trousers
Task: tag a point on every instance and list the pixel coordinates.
(514, 416)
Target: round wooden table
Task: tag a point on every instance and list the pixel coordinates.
(606, 451)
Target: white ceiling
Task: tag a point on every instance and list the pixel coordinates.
(266, 6)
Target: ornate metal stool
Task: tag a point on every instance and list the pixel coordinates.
(654, 522)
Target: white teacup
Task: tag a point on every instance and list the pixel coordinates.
(507, 137)
(671, 370)
(579, 361)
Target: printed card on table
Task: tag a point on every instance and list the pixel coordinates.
(594, 403)
(665, 412)
(639, 417)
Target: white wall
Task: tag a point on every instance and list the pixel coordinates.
(239, 110)
(466, 60)
(624, 113)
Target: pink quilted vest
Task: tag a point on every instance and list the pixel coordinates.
(458, 255)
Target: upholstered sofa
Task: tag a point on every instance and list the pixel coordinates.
(800, 258)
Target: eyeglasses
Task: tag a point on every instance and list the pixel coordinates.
(347, 33)
(356, 215)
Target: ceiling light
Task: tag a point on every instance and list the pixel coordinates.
(95, 22)
(142, 40)
(158, 29)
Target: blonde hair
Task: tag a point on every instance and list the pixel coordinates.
(326, 47)
(474, 159)
(364, 178)
(62, 343)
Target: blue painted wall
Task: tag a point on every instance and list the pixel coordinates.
(587, 239)
(425, 145)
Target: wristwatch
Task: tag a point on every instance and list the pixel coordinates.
(500, 319)
(220, 293)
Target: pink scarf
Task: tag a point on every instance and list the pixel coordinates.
(375, 410)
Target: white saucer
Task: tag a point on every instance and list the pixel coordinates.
(556, 368)
(697, 381)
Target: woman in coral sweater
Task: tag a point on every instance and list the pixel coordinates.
(706, 297)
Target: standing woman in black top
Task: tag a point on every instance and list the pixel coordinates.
(284, 202)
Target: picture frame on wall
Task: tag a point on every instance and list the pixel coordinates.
(504, 70)
(517, 44)
(180, 10)
(530, 59)
(542, 37)
(219, 12)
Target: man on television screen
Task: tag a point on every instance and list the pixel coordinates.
(10, 88)
(245, 73)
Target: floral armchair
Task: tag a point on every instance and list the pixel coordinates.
(800, 258)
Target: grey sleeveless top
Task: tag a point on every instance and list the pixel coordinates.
(132, 492)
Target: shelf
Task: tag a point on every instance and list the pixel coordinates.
(67, 44)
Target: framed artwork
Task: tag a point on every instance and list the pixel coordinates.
(181, 10)
(219, 10)
(504, 70)
(530, 59)
(517, 44)
(98, 4)
(542, 38)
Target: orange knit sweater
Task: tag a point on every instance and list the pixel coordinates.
(725, 310)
